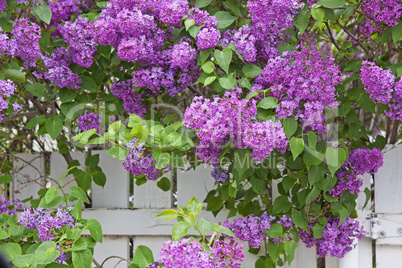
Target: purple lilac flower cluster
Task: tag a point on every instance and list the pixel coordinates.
(377, 82)
(82, 47)
(8, 208)
(132, 101)
(58, 71)
(378, 12)
(208, 36)
(186, 253)
(89, 121)
(361, 161)
(244, 41)
(7, 88)
(381, 86)
(304, 83)
(250, 228)
(63, 9)
(138, 162)
(229, 118)
(24, 42)
(219, 175)
(285, 221)
(269, 19)
(335, 240)
(46, 224)
(171, 12)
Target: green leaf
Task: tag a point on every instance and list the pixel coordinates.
(312, 139)
(227, 82)
(143, 256)
(164, 184)
(318, 230)
(82, 259)
(157, 131)
(118, 152)
(179, 230)
(233, 5)
(168, 214)
(224, 58)
(50, 194)
(78, 193)
(203, 3)
(367, 103)
(315, 174)
(46, 253)
(289, 126)
(88, 83)
(204, 226)
(397, 32)
(65, 94)
(194, 206)
(54, 126)
(268, 103)
(162, 161)
(335, 158)
(290, 249)
(3, 234)
(208, 67)
(281, 204)
(296, 146)
(275, 230)
(99, 178)
(242, 162)
(214, 204)
(24, 260)
(42, 12)
(134, 120)
(203, 56)
(368, 196)
(92, 160)
(95, 229)
(36, 121)
(301, 21)
(222, 229)
(209, 80)
(10, 250)
(38, 90)
(14, 75)
(224, 19)
(251, 95)
(299, 219)
(188, 23)
(6, 179)
(193, 31)
(251, 70)
(331, 3)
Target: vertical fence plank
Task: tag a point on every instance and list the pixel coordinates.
(113, 246)
(388, 200)
(196, 183)
(30, 176)
(58, 166)
(153, 242)
(116, 192)
(149, 195)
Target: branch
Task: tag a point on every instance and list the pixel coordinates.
(27, 114)
(354, 38)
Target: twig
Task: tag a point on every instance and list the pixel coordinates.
(354, 38)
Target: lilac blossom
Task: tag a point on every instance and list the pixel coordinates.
(201, 17)
(219, 175)
(89, 121)
(3, 5)
(24, 42)
(138, 162)
(171, 12)
(377, 82)
(8, 208)
(304, 83)
(285, 221)
(250, 228)
(335, 240)
(63, 9)
(58, 71)
(82, 47)
(186, 253)
(230, 118)
(208, 38)
(7, 88)
(17, 107)
(395, 106)
(244, 41)
(132, 101)
(360, 161)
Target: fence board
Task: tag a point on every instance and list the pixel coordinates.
(113, 246)
(196, 183)
(30, 176)
(153, 242)
(116, 191)
(149, 195)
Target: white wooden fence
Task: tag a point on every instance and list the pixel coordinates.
(127, 225)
